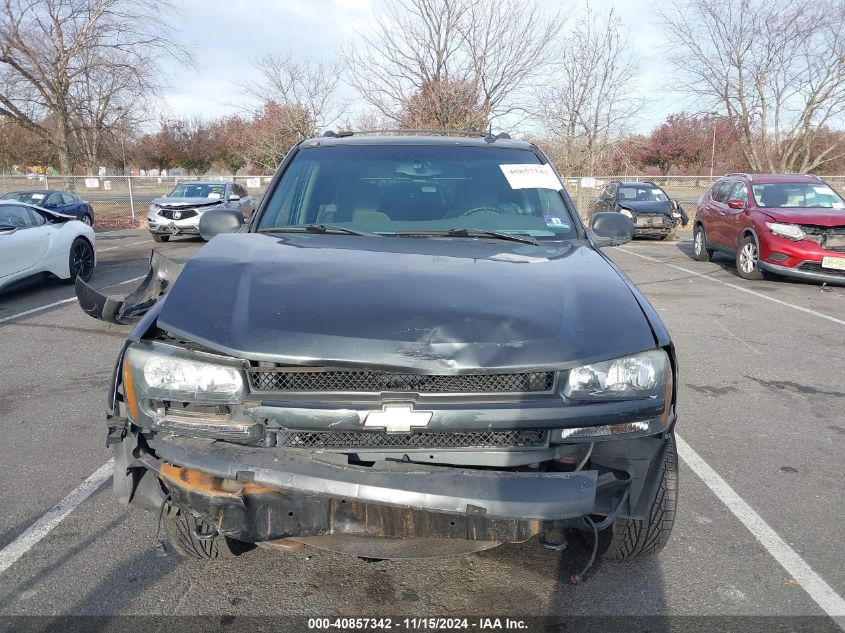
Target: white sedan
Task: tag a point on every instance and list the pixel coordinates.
(37, 243)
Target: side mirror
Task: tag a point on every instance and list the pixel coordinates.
(7, 229)
(220, 221)
(611, 229)
(234, 197)
(736, 203)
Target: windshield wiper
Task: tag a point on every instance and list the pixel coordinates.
(316, 228)
(510, 237)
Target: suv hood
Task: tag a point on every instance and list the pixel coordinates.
(818, 217)
(651, 206)
(424, 304)
(181, 203)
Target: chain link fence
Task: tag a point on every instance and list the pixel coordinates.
(119, 201)
(122, 201)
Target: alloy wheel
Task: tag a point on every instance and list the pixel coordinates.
(699, 242)
(82, 259)
(748, 257)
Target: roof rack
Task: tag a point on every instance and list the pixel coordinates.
(488, 136)
(739, 173)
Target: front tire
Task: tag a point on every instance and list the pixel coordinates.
(81, 260)
(87, 220)
(160, 238)
(628, 539)
(181, 529)
(699, 245)
(748, 259)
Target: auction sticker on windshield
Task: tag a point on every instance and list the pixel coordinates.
(531, 177)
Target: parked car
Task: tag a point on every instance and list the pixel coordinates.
(414, 347)
(779, 224)
(179, 212)
(36, 243)
(59, 201)
(651, 209)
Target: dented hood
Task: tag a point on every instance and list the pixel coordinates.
(421, 304)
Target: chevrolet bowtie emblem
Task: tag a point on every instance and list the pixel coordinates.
(397, 419)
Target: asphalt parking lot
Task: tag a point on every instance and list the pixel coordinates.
(760, 525)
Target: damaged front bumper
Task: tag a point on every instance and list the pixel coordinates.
(257, 494)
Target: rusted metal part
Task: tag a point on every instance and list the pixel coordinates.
(256, 513)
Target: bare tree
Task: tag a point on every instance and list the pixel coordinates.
(298, 86)
(776, 69)
(499, 48)
(590, 97)
(68, 66)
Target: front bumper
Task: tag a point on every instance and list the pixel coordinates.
(816, 274)
(257, 494)
(164, 226)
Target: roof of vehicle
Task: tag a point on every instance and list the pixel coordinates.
(458, 139)
(204, 182)
(764, 179)
(632, 183)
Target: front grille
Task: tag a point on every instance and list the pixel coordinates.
(285, 379)
(184, 215)
(656, 220)
(369, 439)
(815, 267)
(829, 238)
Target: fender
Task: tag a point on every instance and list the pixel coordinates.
(163, 272)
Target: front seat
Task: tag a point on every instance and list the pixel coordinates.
(774, 196)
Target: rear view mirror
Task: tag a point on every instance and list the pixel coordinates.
(220, 221)
(611, 229)
(736, 203)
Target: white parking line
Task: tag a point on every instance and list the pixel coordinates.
(58, 303)
(111, 248)
(830, 602)
(43, 526)
(735, 287)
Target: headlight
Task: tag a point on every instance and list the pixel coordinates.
(626, 212)
(789, 231)
(153, 208)
(641, 376)
(161, 374)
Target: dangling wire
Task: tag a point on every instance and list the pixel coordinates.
(576, 579)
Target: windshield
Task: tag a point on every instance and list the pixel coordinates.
(194, 190)
(32, 197)
(796, 195)
(641, 193)
(395, 188)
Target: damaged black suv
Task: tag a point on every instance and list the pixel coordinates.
(415, 347)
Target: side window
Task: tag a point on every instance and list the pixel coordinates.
(239, 191)
(611, 193)
(68, 198)
(739, 192)
(18, 217)
(721, 190)
(54, 200)
(37, 218)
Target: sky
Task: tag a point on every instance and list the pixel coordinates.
(226, 36)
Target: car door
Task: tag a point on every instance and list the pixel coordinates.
(246, 203)
(734, 220)
(717, 210)
(72, 205)
(24, 244)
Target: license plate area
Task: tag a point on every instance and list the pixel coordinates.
(834, 263)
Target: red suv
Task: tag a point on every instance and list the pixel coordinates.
(791, 225)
